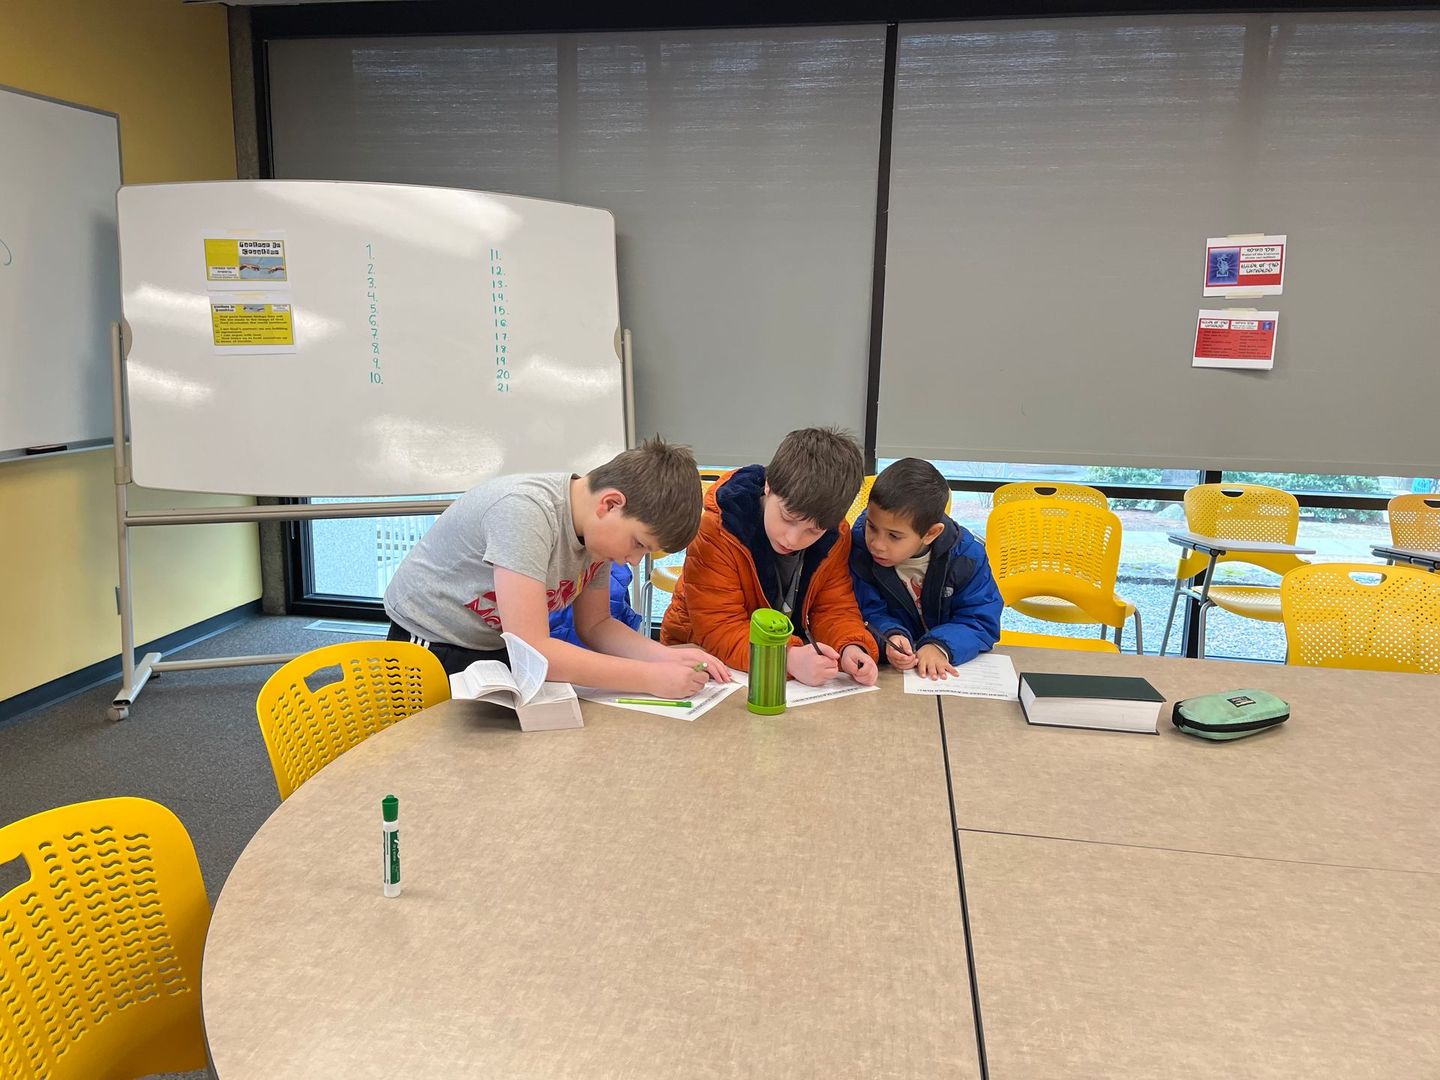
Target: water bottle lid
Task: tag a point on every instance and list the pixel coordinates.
(390, 808)
(770, 627)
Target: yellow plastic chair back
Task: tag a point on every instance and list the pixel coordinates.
(1242, 512)
(1333, 620)
(1046, 547)
(667, 578)
(1415, 522)
(380, 682)
(100, 947)
(862, 499)
(1044, 489)
(1023, 639)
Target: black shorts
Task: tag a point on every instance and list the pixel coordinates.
(453, 658)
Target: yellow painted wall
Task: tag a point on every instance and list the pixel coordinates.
(164, 68)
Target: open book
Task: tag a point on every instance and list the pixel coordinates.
(540, 705)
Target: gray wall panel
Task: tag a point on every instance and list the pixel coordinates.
(740, 166)
(1053, 184)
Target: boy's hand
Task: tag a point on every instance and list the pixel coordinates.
(810, 667)
(856, 663)
(674, 679)
(932, 663)
(696, 656)
(900, 652)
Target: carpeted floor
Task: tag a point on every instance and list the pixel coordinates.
(191, 742)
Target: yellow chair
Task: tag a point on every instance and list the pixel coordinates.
(100, 947)
(1025, 640)
(1415, 522)
(1066, 552)
(380, 682)
(1082, 493)
(1236, 512)
(1333, 620)
(862, 499)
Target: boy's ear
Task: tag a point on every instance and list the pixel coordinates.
(611, 499)
(933, 533)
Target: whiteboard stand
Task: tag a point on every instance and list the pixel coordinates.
(135, 675)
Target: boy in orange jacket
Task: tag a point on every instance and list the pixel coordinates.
(773, 536)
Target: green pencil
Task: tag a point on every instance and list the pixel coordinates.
(653, 701)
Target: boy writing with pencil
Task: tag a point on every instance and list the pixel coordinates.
(512, 550)
(773, 536)
(922, 581)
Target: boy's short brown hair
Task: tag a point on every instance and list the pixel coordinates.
(913, 489)
(817, 473)
(661, 485)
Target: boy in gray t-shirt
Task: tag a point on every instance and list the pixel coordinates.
(512, 550)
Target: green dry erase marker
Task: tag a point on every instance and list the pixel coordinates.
(653, 701)
(390, 833)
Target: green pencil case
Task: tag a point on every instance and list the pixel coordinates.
(1230, 715)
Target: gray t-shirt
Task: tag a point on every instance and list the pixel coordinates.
(444, 590)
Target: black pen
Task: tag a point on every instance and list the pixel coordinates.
(810, 634)
(876, 631)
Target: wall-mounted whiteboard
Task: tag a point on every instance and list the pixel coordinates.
(348, 339)
(59, 279)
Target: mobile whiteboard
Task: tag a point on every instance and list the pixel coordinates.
(315, 338)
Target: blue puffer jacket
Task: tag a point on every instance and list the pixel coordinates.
(960, 604)
(562, 622)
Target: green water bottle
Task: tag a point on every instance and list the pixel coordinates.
(769, 638)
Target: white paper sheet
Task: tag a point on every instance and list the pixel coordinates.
(797, 693)
(487, 680)
(702, 700)
(989, 675)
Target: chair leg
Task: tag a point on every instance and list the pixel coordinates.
(1139, 640)
(1170, 619)
(1200, 645)
(1103, 628)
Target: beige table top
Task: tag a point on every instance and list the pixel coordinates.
(1100, 961)
(1349, 780)
(646, 897)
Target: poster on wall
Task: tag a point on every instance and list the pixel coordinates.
(1248, 265)
(1235, 339)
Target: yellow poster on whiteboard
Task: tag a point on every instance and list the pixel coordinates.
(246, 260)
(256, 327)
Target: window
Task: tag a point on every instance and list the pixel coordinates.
(353, 559)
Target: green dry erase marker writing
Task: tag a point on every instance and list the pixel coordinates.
(390, 833)
(653, 701)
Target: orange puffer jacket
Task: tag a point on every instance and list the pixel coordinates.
(721, 584)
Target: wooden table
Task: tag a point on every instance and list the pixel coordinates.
(1350, 779)
(737, 897)
(1147, 906)
(1097, 961)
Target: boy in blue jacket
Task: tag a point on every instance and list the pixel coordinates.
(923, 582)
